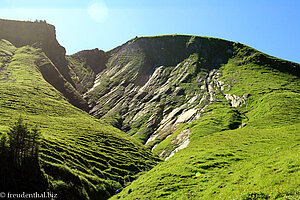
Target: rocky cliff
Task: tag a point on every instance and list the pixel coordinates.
(42, 35)
(153, 84)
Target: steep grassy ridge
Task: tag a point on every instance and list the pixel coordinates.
(42, 35)
(259, 160)
(22, 33)
(83, 157)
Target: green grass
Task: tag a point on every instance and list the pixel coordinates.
(80, 154)
(259, 161)
(232, 163)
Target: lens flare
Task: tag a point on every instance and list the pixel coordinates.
(98, 11)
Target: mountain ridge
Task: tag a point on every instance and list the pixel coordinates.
(144, 68)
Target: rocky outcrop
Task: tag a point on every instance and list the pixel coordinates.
(189, 111)
(236, 101)
(42, 35)
(181, 141)
(153, 84)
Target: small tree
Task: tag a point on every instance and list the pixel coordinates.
(23, 142)
(19, 154)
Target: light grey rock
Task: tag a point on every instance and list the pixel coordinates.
(181, 141)
(235, 100)
(186, 116)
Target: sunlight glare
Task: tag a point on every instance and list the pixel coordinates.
(98, 11)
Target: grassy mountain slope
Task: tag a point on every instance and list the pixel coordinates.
(237, 164)
(224, 116)
(151, 85)
(42, 35)
(82, 156)
(259, 160)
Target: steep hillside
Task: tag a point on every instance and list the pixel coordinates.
(148, 78)
(82, 157)
(152, 85)
(84, 66)
(42, 35)
(259, 98)
(230, 107)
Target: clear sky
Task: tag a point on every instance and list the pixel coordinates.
(271, 26)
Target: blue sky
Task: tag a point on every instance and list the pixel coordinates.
(271, 26)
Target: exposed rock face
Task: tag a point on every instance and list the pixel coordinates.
(236, 100)
(42, 35)
(189, 111)
(154, 84)
(182, 141)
